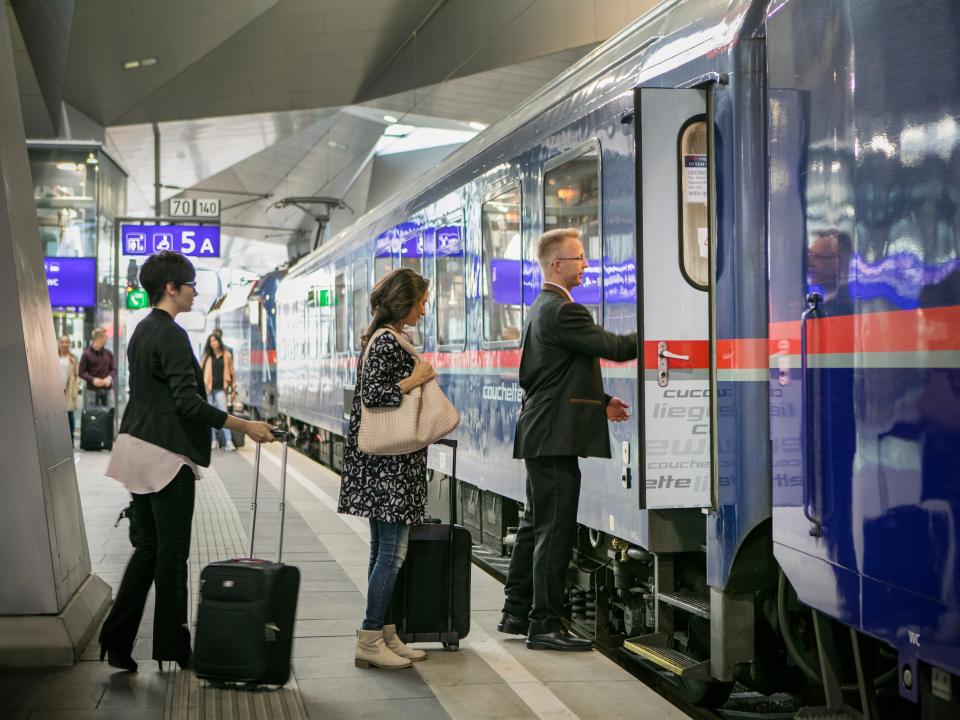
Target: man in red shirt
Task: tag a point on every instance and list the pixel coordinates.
(98, 370)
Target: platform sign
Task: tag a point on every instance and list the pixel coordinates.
(193, 207)
(192, 240)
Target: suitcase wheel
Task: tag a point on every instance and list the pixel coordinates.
(451, 646)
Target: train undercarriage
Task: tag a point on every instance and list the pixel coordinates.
(751, 651)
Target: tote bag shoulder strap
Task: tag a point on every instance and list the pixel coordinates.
(404, 343)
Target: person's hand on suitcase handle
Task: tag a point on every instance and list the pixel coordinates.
(256, 430)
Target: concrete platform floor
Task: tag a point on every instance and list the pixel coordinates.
(492, 676)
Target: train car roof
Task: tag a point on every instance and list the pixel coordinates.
(667, 36)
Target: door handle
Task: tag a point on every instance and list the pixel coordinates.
(663, 370)
(811, 415)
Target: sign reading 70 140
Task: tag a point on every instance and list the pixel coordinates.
(192, 240)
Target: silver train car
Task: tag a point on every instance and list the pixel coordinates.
(689, 150)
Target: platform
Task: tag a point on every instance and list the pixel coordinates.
(492, 676)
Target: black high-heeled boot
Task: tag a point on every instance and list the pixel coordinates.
(118, 659)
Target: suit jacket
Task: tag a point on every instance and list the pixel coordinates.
(166, 405)
(564, 407)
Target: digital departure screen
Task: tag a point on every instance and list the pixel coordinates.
(71, 281)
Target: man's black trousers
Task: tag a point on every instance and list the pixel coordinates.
(548, 530)
(160, 534)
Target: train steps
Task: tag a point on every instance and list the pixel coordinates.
(653, 647)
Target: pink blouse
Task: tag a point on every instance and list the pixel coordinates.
(143, 467)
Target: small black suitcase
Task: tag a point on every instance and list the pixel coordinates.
(96, 428)
(431, 601)
(245, 619)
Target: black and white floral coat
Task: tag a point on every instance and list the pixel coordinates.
(392, 488)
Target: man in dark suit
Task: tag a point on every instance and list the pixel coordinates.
(564, 415)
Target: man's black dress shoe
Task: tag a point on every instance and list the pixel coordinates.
(558, 640)
(512, 625)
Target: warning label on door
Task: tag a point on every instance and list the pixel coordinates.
(695, 178)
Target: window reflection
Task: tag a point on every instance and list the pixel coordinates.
(500, 229)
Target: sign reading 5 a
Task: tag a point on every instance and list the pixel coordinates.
(191, 240)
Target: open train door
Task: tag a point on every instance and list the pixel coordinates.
(674, 250)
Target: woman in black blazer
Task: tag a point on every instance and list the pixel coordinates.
(164, 436)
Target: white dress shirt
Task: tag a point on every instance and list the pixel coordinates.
(142, 467)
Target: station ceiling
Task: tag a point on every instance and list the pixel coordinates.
(267, 99)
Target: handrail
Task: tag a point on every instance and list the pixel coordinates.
(811, 422)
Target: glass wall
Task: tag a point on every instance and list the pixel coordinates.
(79, 192)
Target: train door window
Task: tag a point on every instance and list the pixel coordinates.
(694, 225)
(341, 324)
(360, 301)
(571, 198)
(383, 255)
(450, 297)
(500, 231)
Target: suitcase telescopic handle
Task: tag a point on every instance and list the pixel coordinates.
(451, 612)
(283, 436)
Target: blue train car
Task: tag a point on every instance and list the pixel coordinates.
(789, 259)
(247, 315)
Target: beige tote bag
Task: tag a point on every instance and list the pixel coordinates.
(424, 416)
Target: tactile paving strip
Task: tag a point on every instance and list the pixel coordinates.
(218, 534)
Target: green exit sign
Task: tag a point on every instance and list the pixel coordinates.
(137, 299)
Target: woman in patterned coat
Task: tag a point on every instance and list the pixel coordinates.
(390, 490)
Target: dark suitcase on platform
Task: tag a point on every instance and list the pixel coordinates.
(96, 428)
(431, 601)
(247, 607)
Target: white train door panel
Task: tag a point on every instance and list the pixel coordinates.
(675, 255)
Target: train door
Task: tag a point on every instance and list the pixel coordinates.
(674, 251)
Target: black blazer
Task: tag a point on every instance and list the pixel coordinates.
(564, 407)
(166, 406)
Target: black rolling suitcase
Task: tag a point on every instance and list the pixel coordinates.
(247, 607)
(431, 601)
(96, 428)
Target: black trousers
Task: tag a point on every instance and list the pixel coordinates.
(548, 530)
(160, 534)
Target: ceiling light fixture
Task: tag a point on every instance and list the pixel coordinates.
(69, 166)
(147, 62)
(390, 118)
(131, 65)
(398, 130)
(478, 126)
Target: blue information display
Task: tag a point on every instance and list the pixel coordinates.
(193, 240)
(72, 281)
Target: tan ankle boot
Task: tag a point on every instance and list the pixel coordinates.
(392, 641)
(372, 651)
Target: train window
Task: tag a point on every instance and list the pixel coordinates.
(694, 189)
(571, 198)
(340, 309)
(359, 301)
(450, 295)
(383, 255)
(410, 242)
(500, 230)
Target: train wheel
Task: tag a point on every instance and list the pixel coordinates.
(706, 693)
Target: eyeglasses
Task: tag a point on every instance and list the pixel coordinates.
(580, 257)
(190, 284)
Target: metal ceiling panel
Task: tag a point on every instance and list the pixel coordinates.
(178, 33)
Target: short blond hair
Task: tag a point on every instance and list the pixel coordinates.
(98, 332)
(549, 242)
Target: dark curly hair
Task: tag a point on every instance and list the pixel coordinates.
(393, 297)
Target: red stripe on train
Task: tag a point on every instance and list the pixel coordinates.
(920, 330)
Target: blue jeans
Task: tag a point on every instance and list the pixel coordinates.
(219, 399)
(388, 548)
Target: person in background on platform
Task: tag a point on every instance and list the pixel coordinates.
(218, 334)
(98, 371)
(218, 379)
(564, 416)
(164, 436)
(71, 381)
(390, 490)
